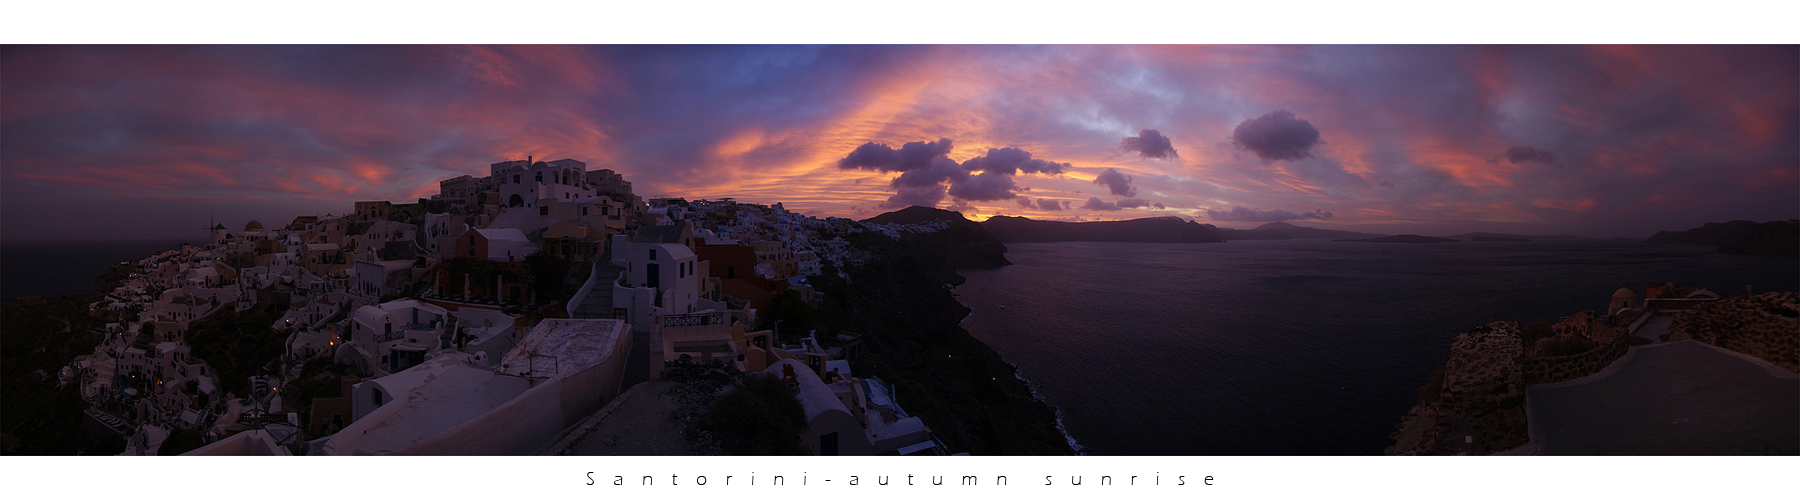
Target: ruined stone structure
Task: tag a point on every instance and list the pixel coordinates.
(1766, 326)
(1553, 369)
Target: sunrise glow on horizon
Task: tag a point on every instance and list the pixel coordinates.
(1590, 140)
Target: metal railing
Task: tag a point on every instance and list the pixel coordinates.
(695, 319)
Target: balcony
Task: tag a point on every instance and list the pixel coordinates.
(693, 320)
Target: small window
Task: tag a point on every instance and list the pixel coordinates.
(652, 254)
(375, 396)
(544, 210)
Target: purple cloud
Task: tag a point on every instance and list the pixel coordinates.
(924, 196)
(1277, 135)
(1525, 152)
(880, 157)
(1119, 184)
(1011, 161)
(1137, 203)
(1094, 203)
(987, 186)
(1149, 144)
(1052, 205)
(927, 174)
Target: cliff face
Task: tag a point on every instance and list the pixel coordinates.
(900, 304)
(1478, 406)
(1151, 230)
(1766, 326)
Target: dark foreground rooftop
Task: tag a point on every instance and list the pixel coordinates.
(1681, 398)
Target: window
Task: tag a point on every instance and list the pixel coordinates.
(652, 254)
(584, 210)
(515, 178)
(544, 210)
(375, 396)
(540, 177)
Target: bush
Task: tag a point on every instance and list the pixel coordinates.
(762, 417)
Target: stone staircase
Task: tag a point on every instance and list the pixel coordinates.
(598, 304)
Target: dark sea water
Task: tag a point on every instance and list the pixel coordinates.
(1288, 347)
(52, 269)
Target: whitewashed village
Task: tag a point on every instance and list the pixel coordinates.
(534, 310)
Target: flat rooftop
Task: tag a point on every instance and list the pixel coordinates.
(447, 394)
(577, 344)
(1679, 398)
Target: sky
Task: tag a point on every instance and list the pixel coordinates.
(148, 142)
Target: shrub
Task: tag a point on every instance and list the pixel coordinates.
(761, 417)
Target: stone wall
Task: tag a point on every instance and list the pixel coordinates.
(1766, 326)
(1553, 369)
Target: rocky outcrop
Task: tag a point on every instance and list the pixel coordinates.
(1585, 324)
(1766, 326)
(1479, 407)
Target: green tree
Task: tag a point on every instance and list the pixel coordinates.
(762, 417)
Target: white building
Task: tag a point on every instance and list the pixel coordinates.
(399, 333)
(659, 279)
(527, 184)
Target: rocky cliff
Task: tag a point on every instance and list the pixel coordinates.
(1476, 406)
(901, 305)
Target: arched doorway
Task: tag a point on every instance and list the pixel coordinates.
(515, 201)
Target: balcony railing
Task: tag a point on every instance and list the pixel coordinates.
(696, 319)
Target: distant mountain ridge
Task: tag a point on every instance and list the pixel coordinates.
(1712, 233)
(1739, 236)
(1009, 229)
(1403, 238)
(1313, 233)
(1485, 236)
